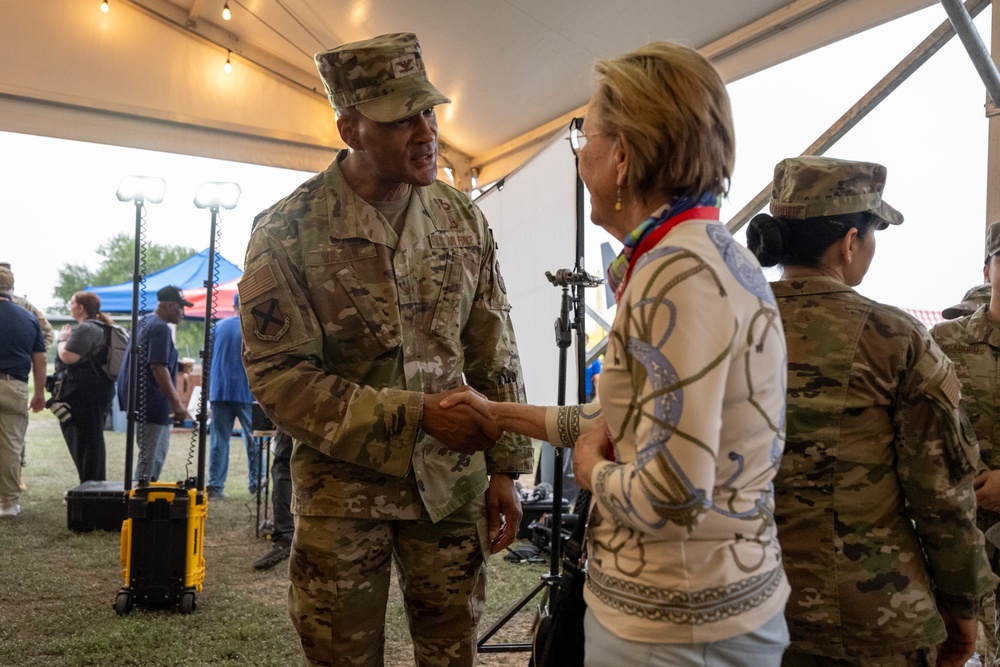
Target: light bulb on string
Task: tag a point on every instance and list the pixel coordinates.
(104, 6)
(228, 66)
(226, 14)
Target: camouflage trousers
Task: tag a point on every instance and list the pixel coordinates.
(340, 574)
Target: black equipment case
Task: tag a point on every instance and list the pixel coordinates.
(96, 506)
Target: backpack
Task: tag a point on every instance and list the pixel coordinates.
(116, 342)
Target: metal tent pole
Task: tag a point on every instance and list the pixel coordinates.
(890, 82)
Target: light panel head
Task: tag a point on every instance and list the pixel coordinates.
(218, 195)
(141, 188)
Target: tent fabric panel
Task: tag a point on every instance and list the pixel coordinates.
(130, 64)
(63, 121)
(223, 293)
(69, 53)
(534, 224)
(189, 274)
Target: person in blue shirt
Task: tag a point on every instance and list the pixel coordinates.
(158, 405)
(229, 393)
(22, 351)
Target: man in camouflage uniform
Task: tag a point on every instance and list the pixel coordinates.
(368, 293)
(49, 335)
(874, 499)
(973, 343)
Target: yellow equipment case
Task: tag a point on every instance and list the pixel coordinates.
(163, 562)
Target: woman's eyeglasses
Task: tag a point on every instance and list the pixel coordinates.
(577, 137)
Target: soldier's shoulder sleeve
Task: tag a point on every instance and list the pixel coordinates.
(273, 299)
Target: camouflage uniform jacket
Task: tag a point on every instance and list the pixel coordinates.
(973, 344)
(47, 332)
(874, 498)
(346, 325)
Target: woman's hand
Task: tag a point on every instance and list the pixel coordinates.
(474, 400)
(65, 332)
(591, 448)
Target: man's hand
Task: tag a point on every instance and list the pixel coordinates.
(591, 448)
(180, 413)
(960, 643)
(987, 487)
(466, 395)
(503, 512)
(37, 403)
(460, 428)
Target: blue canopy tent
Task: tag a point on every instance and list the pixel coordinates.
(189, 274)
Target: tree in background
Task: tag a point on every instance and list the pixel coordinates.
(116, 267)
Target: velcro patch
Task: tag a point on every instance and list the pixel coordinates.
(795, 211)
(952, 388)
(404, 66)
(269, 322)
(254, 284)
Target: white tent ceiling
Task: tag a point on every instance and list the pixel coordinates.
(149, 74)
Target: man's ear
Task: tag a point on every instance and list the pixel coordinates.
(347, 125)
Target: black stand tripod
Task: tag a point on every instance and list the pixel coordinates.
(577, 279)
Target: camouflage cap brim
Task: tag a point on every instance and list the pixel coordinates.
(971, 301)
(959, 310)
(888, 215)
(402, 103)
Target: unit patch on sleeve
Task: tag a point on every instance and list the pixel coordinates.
(269, 322)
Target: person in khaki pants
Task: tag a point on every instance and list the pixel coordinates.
(22, 353)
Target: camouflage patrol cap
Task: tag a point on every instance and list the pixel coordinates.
(810, 187)
(975, 297)
(6, 278)
(992, 240)
(384, 77)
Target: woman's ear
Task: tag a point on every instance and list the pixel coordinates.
(622, 156)
(848, 245)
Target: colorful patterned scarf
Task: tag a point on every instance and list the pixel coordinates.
(619, 266)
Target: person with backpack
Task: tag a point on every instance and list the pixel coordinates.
(82, 387)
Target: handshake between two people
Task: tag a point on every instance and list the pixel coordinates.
(465, 421)
(462, 419)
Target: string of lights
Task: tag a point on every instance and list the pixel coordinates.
(228, 66)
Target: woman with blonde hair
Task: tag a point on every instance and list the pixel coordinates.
(84, 390)
(684, 564)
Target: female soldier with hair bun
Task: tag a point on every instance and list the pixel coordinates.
(873, 500)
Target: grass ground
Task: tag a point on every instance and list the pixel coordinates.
(57, 587)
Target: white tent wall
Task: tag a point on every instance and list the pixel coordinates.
(534, 222)
(69, 71)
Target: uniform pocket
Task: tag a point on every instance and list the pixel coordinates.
(368, 309)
